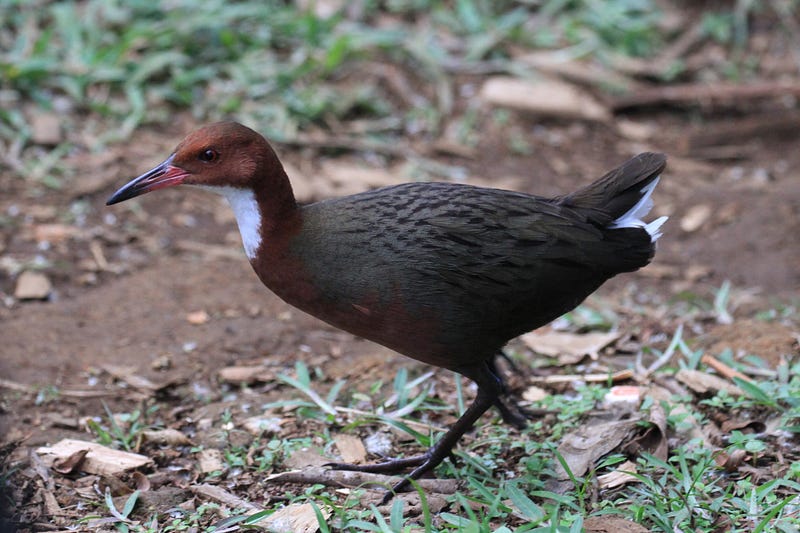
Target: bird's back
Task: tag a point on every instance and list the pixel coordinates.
(440, 271)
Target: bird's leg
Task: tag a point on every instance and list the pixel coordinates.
(489, 387)
(512, 413)
(434, 456)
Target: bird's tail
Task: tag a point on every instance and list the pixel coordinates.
(623, 196)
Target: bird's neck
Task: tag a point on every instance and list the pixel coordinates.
(263, 213)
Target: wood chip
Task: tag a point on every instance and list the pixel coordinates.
(544, 97)
(295, 518)
(350, 448)
(32, 286)
(99, 459)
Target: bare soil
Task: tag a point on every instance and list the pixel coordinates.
(126, 278)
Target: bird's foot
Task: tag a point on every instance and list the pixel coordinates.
(424, 463)
(392, 466)
(516, 415)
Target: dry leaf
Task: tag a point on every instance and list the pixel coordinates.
(169, 437)
(140, 481)
(305, 458)
(544, 97)
(583, 447)
(622, 475)
(654, 438)
(210, 460)
(98, 459)
(295, 518)
(703, 383)
(534, 394)
(71, 463)
(260, 425)
(350, 448)
(751, 426)
(569, 347)
(128, 375)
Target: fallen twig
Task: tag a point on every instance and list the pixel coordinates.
(345, 478)
(706, 93)
(723, 369)
(21, 387)
(743, 130)
(622, 375)
(221, 495)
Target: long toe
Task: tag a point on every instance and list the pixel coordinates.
(405, 484)
(392, 466)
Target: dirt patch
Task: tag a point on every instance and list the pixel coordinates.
(127, 282)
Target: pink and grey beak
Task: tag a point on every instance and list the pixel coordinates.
(164, 175)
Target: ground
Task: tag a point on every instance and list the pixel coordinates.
(153, 297)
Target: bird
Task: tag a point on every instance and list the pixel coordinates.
(444, 273)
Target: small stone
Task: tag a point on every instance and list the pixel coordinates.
(261, 425)
(162, 362)
(378, 443)
(32, 286)
(197, 318)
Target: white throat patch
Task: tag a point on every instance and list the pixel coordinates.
(248, 216)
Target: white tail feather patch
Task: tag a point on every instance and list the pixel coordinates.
(633, 217)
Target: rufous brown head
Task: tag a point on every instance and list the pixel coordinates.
(223, 154)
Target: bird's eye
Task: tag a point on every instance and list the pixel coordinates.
(208, 155)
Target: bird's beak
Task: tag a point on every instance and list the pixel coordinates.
(164, 175)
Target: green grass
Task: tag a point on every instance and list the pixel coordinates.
(107, 66)
(505, 474)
